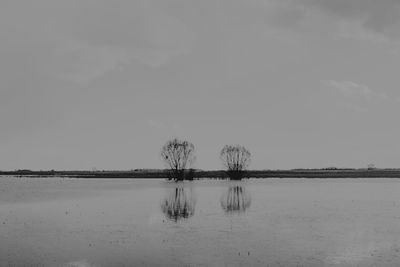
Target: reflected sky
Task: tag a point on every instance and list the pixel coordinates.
(235, 199)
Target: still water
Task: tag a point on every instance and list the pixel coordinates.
(268, 222)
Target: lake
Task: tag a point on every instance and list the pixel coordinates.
(255, 222)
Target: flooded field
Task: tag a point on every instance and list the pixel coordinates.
(270, 222)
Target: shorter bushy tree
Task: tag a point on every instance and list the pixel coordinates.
(236, 159)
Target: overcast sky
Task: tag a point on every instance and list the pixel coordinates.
(104, 84)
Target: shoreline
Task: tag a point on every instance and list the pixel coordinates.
(213, 174)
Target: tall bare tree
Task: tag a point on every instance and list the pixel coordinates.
(236, 159)
(177, 155)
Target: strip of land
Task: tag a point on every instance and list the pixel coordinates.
(217, 174)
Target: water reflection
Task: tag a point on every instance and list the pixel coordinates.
(179, 204)
(236, 199)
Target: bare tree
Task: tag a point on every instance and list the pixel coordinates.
(236, 159)
(177, 155)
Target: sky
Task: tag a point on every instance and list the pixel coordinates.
(104, 84)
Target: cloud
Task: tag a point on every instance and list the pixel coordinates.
(378, 17)
(356, 108)
(82, 63)
(352, 89)
(81, 40)
(360, 19)
(358, 98)
(78, 62)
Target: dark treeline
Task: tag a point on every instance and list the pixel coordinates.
(179, 156)
(217, 174)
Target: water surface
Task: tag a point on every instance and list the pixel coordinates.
(275, 222)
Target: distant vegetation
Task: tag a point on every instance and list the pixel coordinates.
(179, 156)
(216, 174)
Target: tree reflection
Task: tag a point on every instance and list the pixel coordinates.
(180, 204)
(235, 200)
